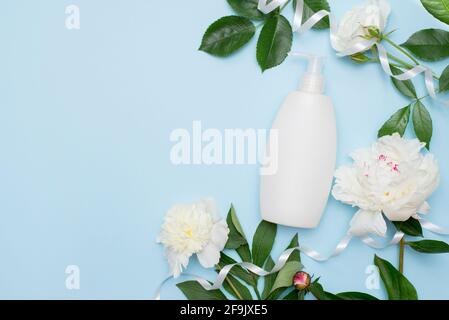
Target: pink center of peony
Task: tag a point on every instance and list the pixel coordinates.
(394, 166)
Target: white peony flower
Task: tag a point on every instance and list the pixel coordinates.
(353, 26)
(392, 177)
(193, 229)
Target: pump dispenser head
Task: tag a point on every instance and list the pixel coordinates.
(313, 79)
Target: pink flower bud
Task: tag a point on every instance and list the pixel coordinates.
(301, 280)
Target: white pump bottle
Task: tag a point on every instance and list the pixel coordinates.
(297, 193)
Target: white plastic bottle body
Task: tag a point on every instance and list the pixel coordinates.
(297, 193)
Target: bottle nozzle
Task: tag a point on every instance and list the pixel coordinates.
(313, 80)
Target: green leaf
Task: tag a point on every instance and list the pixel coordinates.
(422, 122)
(397, 285)
(438, 8)
(285, 275)
(236, 288)
(444, 80)
(429, 246)
(235, 242)
(295, 255)
(194, 291)
(360, 58)
(429, 44)
(275, 42)
(227, 35)
(405, 87)
(269, 292)
(411, 227)
(268, 280)
(263, 242)
(244, 253)
(235, 221)
(292, 295)
(397, 123)
(320, 294)
(236, 236)
(313, 6)
(247, 8)
(355, 296)
(236, 271)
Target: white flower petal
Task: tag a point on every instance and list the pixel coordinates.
(219, 234)
(209, 256)
(176, 261)
(424, 208)
(351, 29)
(399, 213)
(365, 222)
(207, 205)
(348, 189)
(385, 10)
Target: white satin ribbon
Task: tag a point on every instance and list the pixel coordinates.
(432, 227)
(267, 6)
(370, 242)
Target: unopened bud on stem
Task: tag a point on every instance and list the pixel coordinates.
(301, 280)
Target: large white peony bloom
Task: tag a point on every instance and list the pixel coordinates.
(353, 26)
(392, 177)
(193, 229)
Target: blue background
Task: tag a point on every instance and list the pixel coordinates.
(85, 118)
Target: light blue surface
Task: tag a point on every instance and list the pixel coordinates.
(85, 118)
